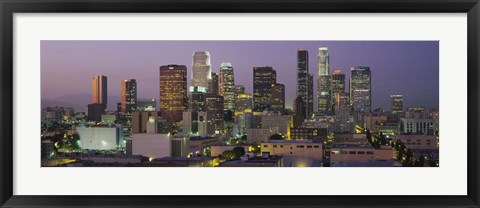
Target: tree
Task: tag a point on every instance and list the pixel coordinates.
(276, 137)
(243, 138)
(229, 155)
(369, 136)
(421, 161)
(239, 151)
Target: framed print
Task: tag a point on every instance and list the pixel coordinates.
(250, 104)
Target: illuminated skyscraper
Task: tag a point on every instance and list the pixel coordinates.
(337, 84)
(323, 92)
(214, 108)
(201, 69)
(263, 79)
(361, 89)
(243, 102)
(173, 92)
(196, 104)
(304, 80)
(129, 95)
(213, 88)
(309, 103)
(397, 104)
(99, 90)
(278, 97)
(226, 85)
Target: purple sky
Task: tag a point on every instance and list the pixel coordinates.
(410, 68)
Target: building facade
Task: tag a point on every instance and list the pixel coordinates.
(226, 86)
(129, 96)
(99, 90)
(263, 79)
(361, 89)
(201, 69)
(173, 92)
(323, 81)
(278, 97)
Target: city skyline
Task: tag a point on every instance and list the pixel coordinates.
(120, 60)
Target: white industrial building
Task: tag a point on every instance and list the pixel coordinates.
(100, 137)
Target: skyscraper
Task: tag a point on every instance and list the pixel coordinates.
(361, 89)
(129, 95)
(173, 92)
(337, 84)
(278, 97)
(243, 102)
(214, 108)
(263, 79)
(309, 103)
(323, 92)
(213, 88)
(201, 69)
(304, 84)
(99, 90)
(397, 104)
(196, 104)
(226, 85)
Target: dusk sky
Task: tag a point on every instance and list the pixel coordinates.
(410, 68)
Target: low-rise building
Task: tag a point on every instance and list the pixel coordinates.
(204, 142)
(100, 137)
(272, 119)
(260, 134)
(219, 149)
(298, 148)
(417, 142)
(315, 134)
(339, 153)
(264, 161)
(350, 139)
(151, 145)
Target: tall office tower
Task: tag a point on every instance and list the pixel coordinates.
(173, 92)
(214, 108)
(337, 84)
(196, 104)
(341, 100)
(226, 87)
(361, 89)
(213, 84)
(99, 90)
(342, 113)
(305, 80)
(197, 98)
(129, 95)
(201, 69)
(300, 112)
(263, 79)
(323, 92)
(243, 102)
(397, 104)
(278, 97)
(309, 103)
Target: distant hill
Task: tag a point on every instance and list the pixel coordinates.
(78, 101)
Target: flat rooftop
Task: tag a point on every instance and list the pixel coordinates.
(289, 141)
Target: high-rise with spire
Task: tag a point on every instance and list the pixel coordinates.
(323, 91)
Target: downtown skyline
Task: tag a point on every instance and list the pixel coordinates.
(416, 62)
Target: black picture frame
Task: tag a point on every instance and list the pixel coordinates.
(10, 7)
